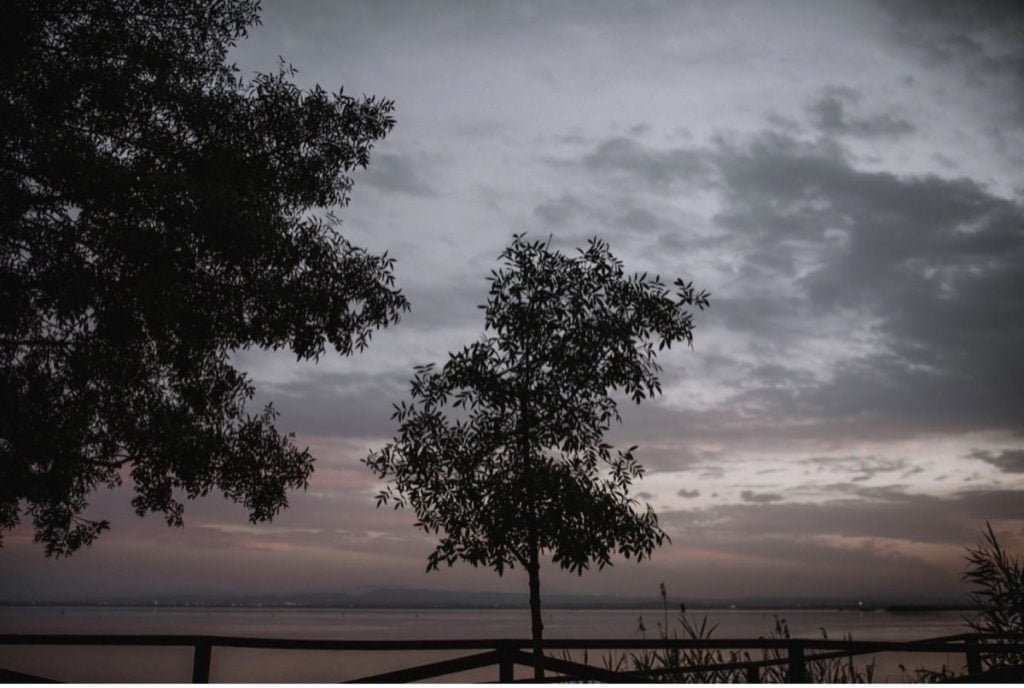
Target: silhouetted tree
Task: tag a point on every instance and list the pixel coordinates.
(502, 450)
(158, 211)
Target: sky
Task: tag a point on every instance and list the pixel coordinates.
(843, 177)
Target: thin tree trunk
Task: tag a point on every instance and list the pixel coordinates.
(533, 534)
(536, 625)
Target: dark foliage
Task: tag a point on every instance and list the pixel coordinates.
(501, 451)
(159, 211)
(998, 580)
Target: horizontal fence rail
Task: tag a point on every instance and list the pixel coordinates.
(506, 653)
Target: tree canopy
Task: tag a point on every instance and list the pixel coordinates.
(501, 451)
(160, 211)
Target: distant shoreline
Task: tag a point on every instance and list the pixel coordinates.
(424, 598)
(275, 606)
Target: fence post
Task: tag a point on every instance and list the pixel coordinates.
(506, 664)
(753, 675)
(973, 656)
(201, 662)
(797, 666)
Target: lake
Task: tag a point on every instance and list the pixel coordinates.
(141, 664)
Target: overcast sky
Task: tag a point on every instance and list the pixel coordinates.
(843, 177)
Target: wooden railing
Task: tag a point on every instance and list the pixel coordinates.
(506, 653)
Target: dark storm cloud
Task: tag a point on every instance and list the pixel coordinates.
(641, 220)
(831, 114)
(558, 212)
(961, 31)
(395, 174)
(759, 497)
(774, 319)
(866, 467)
(647, 166)
(946, 161)
(573, 221)
(931, 265)
(657, 436)
(885, 513)
(889, 397)
(447, 302)
(337, 404)
(1008, 460)
(983, 40)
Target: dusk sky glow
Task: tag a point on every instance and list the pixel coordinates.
(842, 177)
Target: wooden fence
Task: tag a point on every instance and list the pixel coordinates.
(504, 654)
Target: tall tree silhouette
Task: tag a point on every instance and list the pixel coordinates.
(501, 451)
(159, 211)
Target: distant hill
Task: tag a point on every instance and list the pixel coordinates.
(411, 598)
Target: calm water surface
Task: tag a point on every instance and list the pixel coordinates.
(101, 664)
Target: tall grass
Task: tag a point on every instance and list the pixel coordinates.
(998, 594)
(697, 665)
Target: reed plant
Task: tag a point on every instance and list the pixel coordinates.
(701, 665)
(997, 578)
(695, 665)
